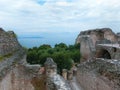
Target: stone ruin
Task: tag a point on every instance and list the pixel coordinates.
(97, 41)
(99, 68)
(54, 80)
(8, 42)
(17, 74)
(100, 62)
(69, 74)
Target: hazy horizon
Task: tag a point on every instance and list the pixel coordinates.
(52, 38)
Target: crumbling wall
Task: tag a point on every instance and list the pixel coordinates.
(16, 80)
(101, 55)
(109, 51)
(91, 38)
(89, 81)
(8, 42)
(53, 80)
(19, 75)
(15, 73)
(100, 74)
(86, 47)
(98, 35)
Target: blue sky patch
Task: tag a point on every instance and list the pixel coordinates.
(41, 2)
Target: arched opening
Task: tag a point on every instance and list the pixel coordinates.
(102, 53)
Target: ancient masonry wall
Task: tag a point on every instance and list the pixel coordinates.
(16, 74)
(8, 42)
(99, 75)
(90, 81)
(16, 80)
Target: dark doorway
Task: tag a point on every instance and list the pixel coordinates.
(102, 53)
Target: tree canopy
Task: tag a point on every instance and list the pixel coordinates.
(62, 54)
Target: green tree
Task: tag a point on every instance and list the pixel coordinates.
(43, 57)
(45, 46)
(50, 51)
(61, 45)
(63, 61)
(62, 54)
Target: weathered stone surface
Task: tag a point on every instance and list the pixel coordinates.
(64, 74)
(98, 34)
(118, 35)
(58, 83)
(100, 74)
(21, 78)
(17, 74)
(108, 51)
(54, 81)
(100, 67)
(8, 42)
(50, 67)
(91, 38)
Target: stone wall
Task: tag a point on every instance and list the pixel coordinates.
(89, 81)
(91, 38)
(16, 74)
(100, 66)
(99, 34)
(118, 35)
(21, 79)
(86, 47)
(16, 80)
(99, 75)
(53, 80)
(8, 42)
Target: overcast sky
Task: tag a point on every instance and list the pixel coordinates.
(38, 16)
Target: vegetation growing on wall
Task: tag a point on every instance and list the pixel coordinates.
(62, 54)
(2, 57)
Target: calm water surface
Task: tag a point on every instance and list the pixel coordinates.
(51, 39)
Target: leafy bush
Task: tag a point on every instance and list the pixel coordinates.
(62, 54)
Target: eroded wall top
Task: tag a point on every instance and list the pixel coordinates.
(8, 42)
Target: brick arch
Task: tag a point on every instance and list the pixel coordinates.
(103, 53)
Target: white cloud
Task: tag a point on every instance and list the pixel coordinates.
(29, 15)
(63, 3)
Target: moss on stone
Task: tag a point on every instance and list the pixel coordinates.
(2, 57)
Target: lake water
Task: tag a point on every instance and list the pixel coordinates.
(51, 39)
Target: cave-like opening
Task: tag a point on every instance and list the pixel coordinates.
(102, 53)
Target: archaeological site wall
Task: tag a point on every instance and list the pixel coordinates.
(100, 62)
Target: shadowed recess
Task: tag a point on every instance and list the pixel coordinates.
(103, 54)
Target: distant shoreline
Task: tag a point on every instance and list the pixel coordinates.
(29, 37)
(51, 39)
